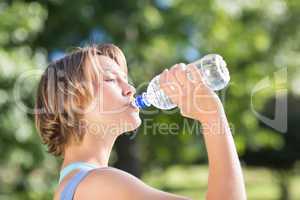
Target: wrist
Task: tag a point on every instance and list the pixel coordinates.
(217, 125)
(212, 117)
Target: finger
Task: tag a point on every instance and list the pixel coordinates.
(169, 92)
(180, 74)
(171, 78)
(162, 77)
(163, 80)
(170, 87)
(178, 77)
(173, 70)
(195, 74)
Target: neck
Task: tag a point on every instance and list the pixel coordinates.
(92, 149)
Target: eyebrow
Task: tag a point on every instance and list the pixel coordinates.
(114, 72)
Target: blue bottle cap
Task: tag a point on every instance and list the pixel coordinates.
(141, 102)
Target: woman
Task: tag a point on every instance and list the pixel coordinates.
(84, 103)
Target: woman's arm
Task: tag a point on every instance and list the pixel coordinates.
(225, 179)
(197, 101)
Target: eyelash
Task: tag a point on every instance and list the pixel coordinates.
(110, 80)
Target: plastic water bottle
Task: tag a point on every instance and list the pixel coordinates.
(213, 70)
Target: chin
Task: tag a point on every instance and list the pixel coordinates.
(132, 122)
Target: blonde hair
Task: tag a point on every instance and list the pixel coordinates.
(65, 84)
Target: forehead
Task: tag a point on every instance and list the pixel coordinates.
(108, 64)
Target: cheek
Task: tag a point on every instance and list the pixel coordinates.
(110, 96)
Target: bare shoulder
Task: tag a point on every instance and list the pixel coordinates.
(101, 183)
(112, 183)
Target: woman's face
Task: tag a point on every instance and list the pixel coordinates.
(112, 110)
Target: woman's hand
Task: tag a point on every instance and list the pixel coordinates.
(192, 96)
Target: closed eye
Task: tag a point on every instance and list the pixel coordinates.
(110, 80)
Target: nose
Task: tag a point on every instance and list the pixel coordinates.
(129, 90)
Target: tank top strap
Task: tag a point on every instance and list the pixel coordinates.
(69, 190)
(76, 165)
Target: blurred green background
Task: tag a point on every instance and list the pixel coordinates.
(259, 39)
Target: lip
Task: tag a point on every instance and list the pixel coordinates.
(132, 105)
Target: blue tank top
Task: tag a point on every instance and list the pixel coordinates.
(70, 188)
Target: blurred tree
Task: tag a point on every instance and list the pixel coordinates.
(281, 158)
(256, 38)
(26, 172)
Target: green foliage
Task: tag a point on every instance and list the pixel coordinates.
(260, 182)
(256, 38)
(26, 170)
